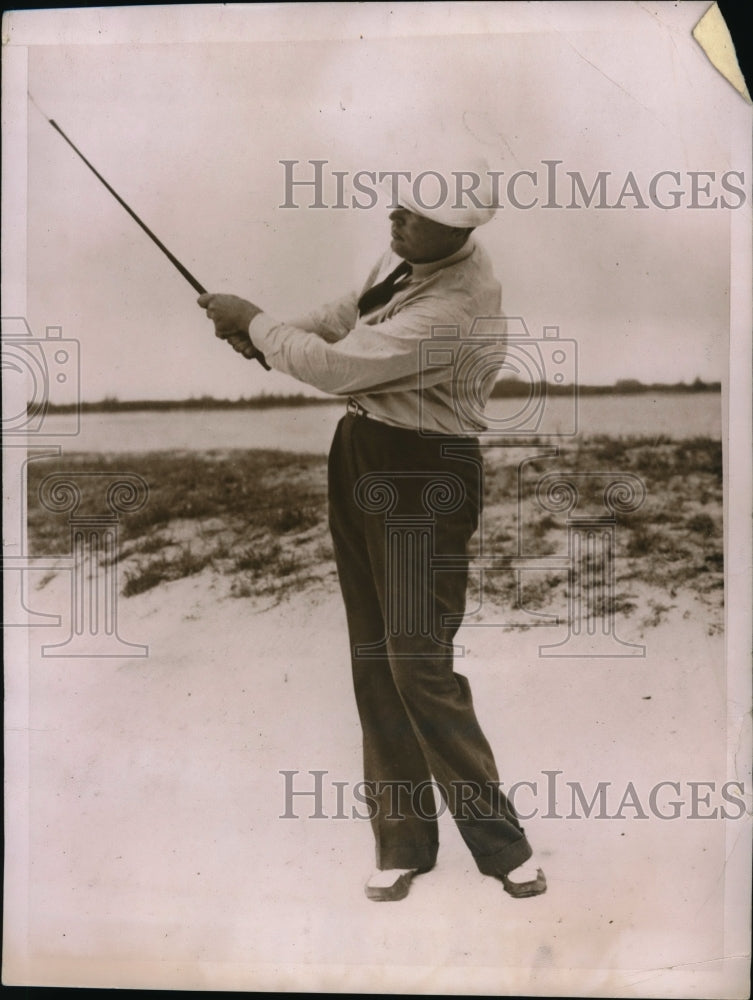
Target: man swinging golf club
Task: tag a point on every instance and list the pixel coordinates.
(406, 447)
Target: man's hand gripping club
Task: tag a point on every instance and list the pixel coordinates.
(231, 316)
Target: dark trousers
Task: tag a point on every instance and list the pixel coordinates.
(403, 508)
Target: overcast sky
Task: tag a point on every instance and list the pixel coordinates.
(188, 118)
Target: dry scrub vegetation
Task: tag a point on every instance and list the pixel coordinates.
(258, 520)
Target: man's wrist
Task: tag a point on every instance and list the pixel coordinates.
(252, 312)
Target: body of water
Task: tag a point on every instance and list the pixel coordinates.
(310, 428)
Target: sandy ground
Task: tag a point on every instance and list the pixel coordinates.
(157, 855)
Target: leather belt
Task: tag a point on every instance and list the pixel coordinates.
(356, 410)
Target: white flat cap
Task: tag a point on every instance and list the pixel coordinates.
(459, 193)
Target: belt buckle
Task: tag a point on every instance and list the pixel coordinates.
(353, 408)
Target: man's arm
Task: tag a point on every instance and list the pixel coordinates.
(332, 321)
(376, 357)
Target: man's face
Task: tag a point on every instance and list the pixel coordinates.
(420, 240)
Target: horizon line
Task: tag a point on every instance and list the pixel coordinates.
(510, 386)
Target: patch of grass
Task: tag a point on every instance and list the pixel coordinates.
(668, 542)
(672, 515)
(229, 510)
(641, 542)
(543, 525)
(259, 518)
(703, 524)
(700, 454)
(256, 559)
(151, 543)
(294, 519)
(146, 576)
(658, 613)
(623, 604)
(535, 595)
(162, 570)
(714, 562)
(608, 449)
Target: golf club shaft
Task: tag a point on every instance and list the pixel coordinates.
(171, 257)
(196, 285)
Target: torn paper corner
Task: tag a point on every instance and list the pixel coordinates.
(713, 36)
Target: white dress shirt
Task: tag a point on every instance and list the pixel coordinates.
(379, 360)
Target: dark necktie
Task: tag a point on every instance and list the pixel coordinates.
(379, 295)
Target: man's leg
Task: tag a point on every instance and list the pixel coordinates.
(417, 713)
(394, 762)
(427, 593)
(438, 700)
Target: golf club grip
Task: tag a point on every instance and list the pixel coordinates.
(257, 355)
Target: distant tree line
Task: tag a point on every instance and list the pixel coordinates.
(111, 404)
(505, 388)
